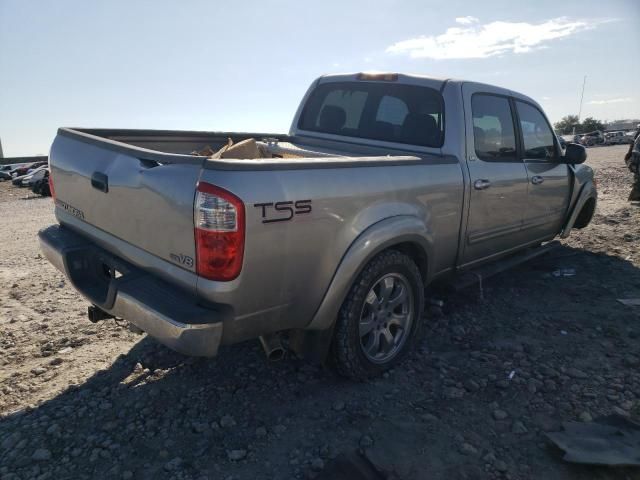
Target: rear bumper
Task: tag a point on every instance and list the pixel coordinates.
(162, 310)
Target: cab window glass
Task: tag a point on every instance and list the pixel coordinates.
(537, 136)
(382, 111)
(392, 110)
(351, 101)
(493, 132)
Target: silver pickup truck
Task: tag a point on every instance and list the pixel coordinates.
(326, 236)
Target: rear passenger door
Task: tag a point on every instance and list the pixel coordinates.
(548, 191)
(498, 190)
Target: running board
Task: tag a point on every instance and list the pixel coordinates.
(478, 275)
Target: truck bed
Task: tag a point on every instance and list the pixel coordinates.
(175, 146)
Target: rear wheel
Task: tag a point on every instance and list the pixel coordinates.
(380, 320)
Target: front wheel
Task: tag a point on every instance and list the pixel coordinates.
(380, 320)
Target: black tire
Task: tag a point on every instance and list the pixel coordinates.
(348, 357)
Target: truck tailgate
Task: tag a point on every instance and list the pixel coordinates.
(138, 199)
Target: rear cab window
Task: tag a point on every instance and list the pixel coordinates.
(493, 128)
(389, 112)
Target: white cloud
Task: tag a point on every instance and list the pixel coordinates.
(487, 40)
(611, 100)
(466, 20)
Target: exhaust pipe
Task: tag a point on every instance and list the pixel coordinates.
(272, 345)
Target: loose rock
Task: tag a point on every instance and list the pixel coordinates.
(236, 455)
(41, 455)
(500, 414)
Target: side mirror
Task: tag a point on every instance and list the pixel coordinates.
(574, 154)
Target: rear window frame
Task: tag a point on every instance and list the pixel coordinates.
(436, 92)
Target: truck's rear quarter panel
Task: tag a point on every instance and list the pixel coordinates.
(289, 265)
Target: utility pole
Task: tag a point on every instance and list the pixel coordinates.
(1, 154)
(584, 81)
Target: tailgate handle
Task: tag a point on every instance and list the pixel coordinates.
(100, 182)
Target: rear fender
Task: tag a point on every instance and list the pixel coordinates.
(378, 237)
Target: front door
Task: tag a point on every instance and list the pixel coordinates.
(498, 190)
(549, 188)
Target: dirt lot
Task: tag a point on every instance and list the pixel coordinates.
(79, 400)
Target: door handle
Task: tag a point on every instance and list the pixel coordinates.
(481, 184)
(537, 179)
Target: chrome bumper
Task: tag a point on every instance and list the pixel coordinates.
(168, 314)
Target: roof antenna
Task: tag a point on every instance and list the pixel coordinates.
(582, 98)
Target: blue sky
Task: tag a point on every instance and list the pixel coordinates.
(222, 65)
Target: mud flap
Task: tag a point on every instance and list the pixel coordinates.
(312, 345)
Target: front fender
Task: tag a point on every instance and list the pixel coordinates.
(378, 237)
(587, 192)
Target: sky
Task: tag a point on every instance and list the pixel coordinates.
(244, 65)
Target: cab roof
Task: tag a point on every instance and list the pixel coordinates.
(414, 79)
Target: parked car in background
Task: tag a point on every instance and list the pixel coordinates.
(41, 186)
(587, 141)
(33, 175)
(592, 138)
(9, 167)
(5, 170)
(24, 169)
(20, 170)
(17, 181)
(617, 138)
(20, 179)
(609, 138)
(627, 138)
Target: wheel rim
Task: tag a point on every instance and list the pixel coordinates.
(386, 318)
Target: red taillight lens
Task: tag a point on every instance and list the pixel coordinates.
(219, 231)
(53, 192)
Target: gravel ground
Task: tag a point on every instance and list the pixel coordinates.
(85, 401)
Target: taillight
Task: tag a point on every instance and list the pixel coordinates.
(219, 231)
(53, 192)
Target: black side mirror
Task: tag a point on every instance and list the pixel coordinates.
(574, 154)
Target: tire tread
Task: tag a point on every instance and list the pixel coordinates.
(347, 357)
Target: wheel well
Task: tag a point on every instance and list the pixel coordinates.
(585, 215)
(416, 253)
